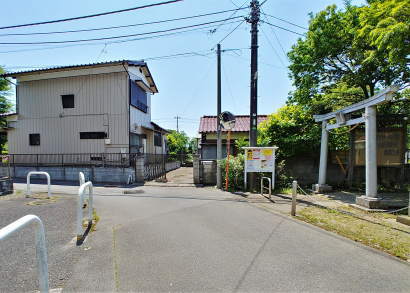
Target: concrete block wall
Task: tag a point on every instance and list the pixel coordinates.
(196, 166)
(95, 174)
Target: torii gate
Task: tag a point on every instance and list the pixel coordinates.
(370, 199)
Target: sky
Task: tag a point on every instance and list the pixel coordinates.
(187, 83)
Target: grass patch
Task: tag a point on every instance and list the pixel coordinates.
(284, 190)
(381, 237)
(95, 220)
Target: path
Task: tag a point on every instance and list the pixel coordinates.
(201, 239)
(181, 177)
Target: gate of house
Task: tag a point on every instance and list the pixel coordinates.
(157, 165)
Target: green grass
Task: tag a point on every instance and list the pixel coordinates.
(394, 242)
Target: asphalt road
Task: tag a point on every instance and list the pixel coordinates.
(18, 264)
(200, 239)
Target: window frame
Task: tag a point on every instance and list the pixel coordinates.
(34, 139)
(157, 135)
(93, 135)
(69, 103)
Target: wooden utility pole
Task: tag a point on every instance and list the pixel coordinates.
(177, 118)
(218, 119)
(254, 20)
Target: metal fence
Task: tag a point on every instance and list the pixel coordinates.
(157, 165)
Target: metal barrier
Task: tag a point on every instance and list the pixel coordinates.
(28, 192)
(89, 186)
(41, 249)
(269, 188)
(82, 178)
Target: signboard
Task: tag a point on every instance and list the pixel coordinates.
(260, 159)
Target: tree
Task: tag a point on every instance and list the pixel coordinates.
(177, 142)
(5, 106)
(334, 53)
(292, 129)
(386, 25)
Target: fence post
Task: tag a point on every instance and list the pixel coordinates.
(294, 193)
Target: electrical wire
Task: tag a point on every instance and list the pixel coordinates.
(273, 48)
(116, 42)
(284, 20)
(117, 37)
(122, 26)
(90, 15)
(282, 28)
(231, 32)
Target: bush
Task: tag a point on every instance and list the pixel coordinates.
(235, 175)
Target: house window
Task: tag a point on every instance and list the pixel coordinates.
(34, 138)
(68, 101)
(138, 97)
(157, 139)
(93, 135)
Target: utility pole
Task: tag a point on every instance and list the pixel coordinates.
(254, 20)
(218, 122)
(177, 118)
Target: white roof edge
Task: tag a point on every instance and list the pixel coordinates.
(379, 98)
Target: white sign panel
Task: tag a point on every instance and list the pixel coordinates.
(260, 160)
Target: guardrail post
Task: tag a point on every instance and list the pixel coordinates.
(41, 248)
(89, 186)
(28, 192)
(294, 193)
(270, 186)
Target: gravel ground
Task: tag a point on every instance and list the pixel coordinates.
(18, 259)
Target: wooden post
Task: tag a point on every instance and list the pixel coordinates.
(294, 193)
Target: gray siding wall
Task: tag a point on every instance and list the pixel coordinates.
(101, 104)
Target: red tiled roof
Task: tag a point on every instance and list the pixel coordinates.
(208, 123)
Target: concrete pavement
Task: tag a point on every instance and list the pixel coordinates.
(201, 239)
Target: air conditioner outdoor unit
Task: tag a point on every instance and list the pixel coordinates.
(107, 141)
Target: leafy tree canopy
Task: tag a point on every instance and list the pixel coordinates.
(386, 25)
(177, 142)
(338, 54)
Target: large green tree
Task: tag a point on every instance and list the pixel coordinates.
(386, 25)
(335, 55)
(178, 142)
(5, 106)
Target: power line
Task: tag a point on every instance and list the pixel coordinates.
(231, 32)
(90, 15)
(205, 28)
(122, 26)
(282, 28)
(284, 20)
(273, 48)
(116, 37)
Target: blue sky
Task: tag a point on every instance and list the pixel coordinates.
(187, 85)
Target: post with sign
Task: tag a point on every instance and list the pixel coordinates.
(260, 160)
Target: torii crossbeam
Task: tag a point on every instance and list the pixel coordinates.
(370, 199)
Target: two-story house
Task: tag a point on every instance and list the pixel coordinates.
(92, 108)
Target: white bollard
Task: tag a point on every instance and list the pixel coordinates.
(81, 178)
(89, 186)
(294, 194)
(41, 248)
(28, 192)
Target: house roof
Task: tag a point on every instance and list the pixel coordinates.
(208, 123)
(140, 63)
(159, 128)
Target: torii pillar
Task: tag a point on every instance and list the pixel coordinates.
(370, 199)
